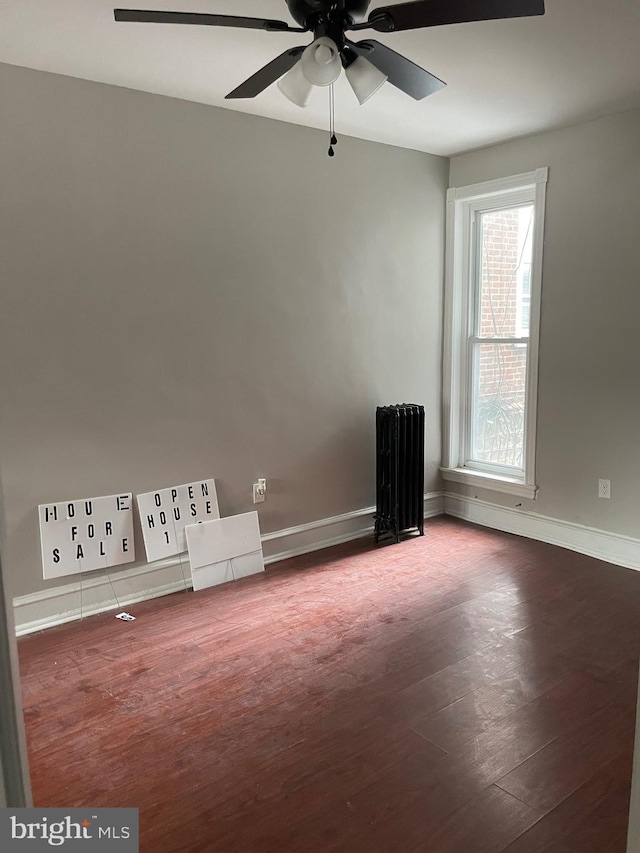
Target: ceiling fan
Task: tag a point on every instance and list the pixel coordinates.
(368, 64)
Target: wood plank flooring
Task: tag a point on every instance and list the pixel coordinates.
(464, 692)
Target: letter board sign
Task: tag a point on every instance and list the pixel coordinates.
(84, 535)
(165, 513)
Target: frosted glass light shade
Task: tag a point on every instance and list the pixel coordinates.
(295, 86)
(364, 78)
(320, 62)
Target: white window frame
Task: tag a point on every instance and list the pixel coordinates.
(463, 205)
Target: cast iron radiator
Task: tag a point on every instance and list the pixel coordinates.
(399, 470)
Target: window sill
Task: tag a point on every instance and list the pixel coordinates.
(483, 480)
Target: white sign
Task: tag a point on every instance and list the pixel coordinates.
(224, 550)
(80, 536)
(164, 514)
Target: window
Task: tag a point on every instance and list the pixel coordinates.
(494, 259)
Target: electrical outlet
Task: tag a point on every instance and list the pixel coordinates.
(604, 488)
(258, 494)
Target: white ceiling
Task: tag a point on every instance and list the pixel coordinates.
(505, 78)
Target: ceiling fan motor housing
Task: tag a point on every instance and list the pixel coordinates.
(307, 12)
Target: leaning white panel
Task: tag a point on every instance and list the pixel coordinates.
(225, 549)
(164, 514)
(212, 574)
(248, 564)
(84, 535)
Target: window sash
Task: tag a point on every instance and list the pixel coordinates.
(471, 425)
(509, 431)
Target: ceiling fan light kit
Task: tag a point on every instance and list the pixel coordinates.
(364, 78)
(321, 63)
(295, 86)
(368, 64)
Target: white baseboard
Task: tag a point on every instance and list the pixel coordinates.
(610, 547)
(98, 592)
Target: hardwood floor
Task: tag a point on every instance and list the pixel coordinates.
(465, 692)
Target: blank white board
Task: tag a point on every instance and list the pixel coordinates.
(164, 514)
(225, 549)
(84, 535)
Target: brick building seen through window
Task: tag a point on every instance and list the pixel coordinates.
(499, 375)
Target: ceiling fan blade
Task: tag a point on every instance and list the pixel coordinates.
(434, 13)
(267, 75)
(401, 72)
(148, 17)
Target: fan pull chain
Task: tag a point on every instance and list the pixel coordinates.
(332, 115)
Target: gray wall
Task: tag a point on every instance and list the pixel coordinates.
(589, 382)
(190, 292)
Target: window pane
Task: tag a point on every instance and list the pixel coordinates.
(498, 398)
(505, 272)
